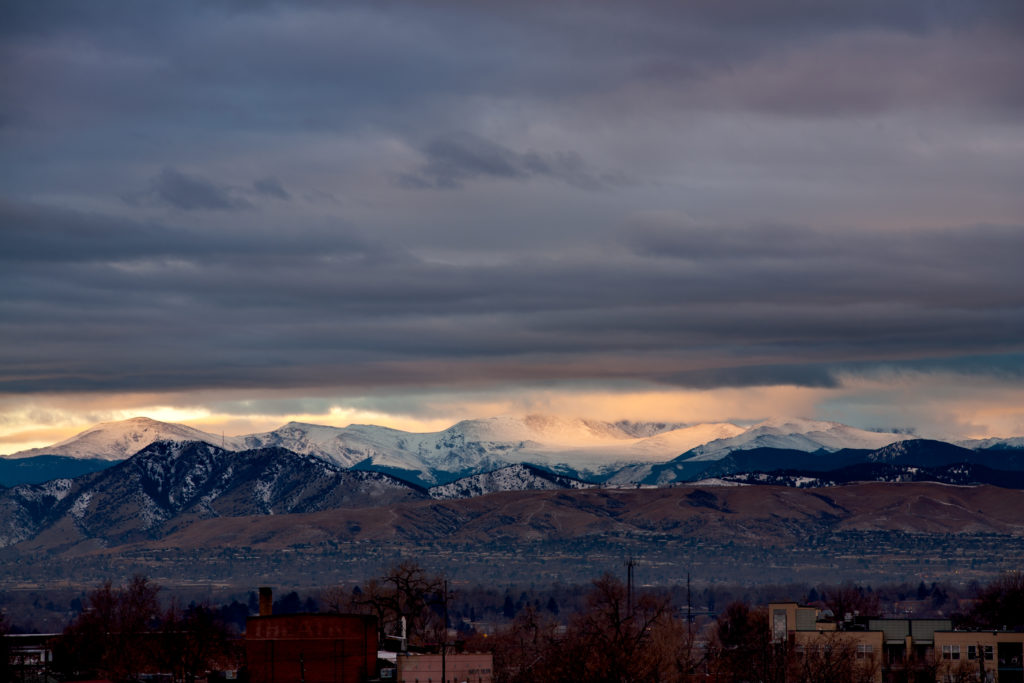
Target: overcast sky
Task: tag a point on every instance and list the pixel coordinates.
(234, 214)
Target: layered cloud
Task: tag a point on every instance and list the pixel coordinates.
(373, 201)
(158, 307)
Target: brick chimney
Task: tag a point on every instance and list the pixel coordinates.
(266, 601)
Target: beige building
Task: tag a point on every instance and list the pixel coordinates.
(986, 656)
(818, 644)
(466, 667)
(899, 649)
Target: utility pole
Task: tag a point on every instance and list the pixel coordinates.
(630, 563)
(444, 637)
(689, 602)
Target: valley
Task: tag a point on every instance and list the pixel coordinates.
(863, 532)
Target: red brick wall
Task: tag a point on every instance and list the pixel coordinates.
(316, 648)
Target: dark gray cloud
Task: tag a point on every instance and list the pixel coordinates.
(453, 159)
(214, 69)
(271, 187)
(33, 234)
(833, 187)
(979, 248)
(1005, 367)
(187, 192)
(758, 375)
(118, 305)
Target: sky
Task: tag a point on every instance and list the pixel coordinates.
(237, 214)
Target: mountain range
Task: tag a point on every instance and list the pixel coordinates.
(181, 475)
(620, 453)
(576, 447)
(579, 448)
(169, 485)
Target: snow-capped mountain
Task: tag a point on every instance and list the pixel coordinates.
(573, 447)
(169, 484)
(520, 477)
(794, 434)
(1013, 443)
(615, 452)
(765, 463)
(119, 440)
(779, 443)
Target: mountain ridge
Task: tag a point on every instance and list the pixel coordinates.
(619, 453)
(181, 481)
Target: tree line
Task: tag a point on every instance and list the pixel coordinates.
(619, 639)
(124, 632)
(614, 635)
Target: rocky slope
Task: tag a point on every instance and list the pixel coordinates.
(519, 477)
(168, 484)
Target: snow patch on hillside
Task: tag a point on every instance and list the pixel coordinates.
(81, 505)
(512, 478)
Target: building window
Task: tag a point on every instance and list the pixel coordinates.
(951, 652)
(973, 651)
(865, 651)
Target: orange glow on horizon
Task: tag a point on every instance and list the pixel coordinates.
(932, 405)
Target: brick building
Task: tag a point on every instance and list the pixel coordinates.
(311, 648)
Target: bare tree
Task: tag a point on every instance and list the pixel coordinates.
(618, 639)
(852, 600)
(741, 647)
(612, 640)
(193, 641)
(336, 599)
(406, 591)
(1000, 603)
(110, 637)
(830, 657)
(529, 650)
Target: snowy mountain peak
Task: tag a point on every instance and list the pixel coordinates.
(796, 425)
(546, 429)
(1016, 442)
(796, 434)
(588, 449)
(121, 439)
